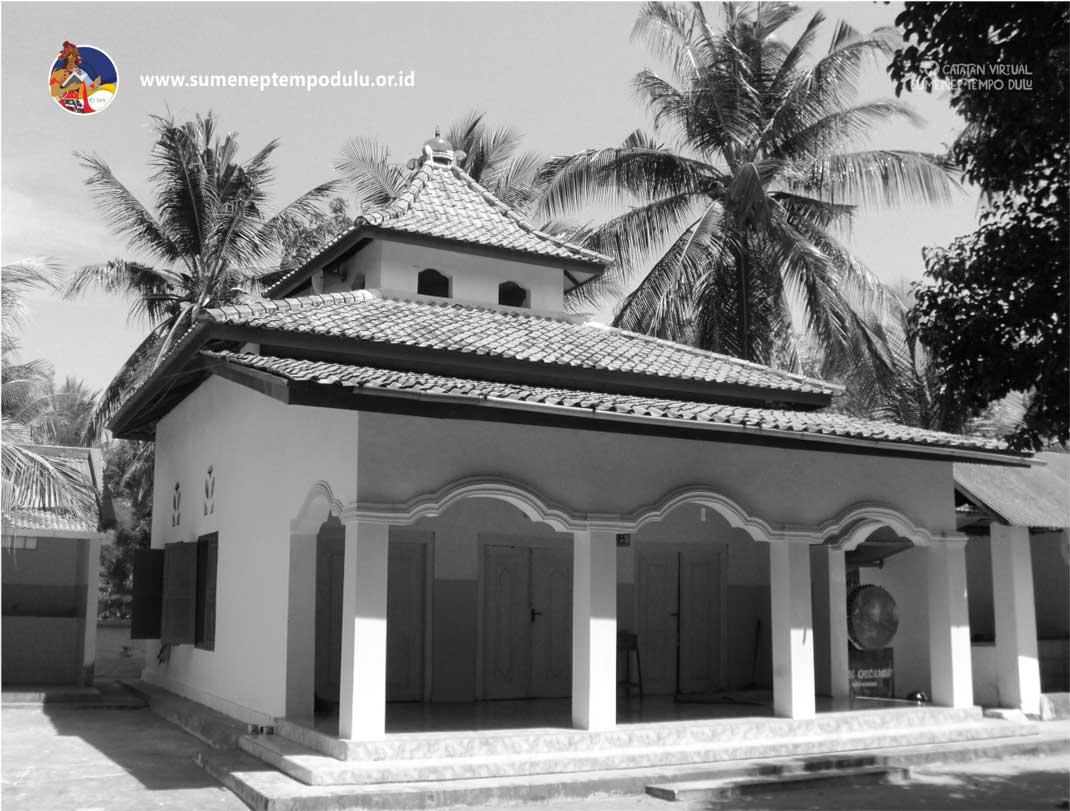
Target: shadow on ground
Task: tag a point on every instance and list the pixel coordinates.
(949, 789)
(66, 756)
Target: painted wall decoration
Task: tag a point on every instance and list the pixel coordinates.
(176, 505)
(209, 491)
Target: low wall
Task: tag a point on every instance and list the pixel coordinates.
(42, 650)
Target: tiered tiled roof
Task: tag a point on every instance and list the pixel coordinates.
(587, 403)
(446, 325)
(444, 201)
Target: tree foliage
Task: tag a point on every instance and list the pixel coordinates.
(128, 478)
(993, 308)
(492, 157)
(35, 411)
(207, 236)
(739, 221)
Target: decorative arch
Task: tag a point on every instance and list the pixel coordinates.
(319, 503)
(529, 501)
(858, 522)
(732, 512)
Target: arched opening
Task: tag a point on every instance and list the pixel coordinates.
(694, 589)
(870, 595)
(511, 294)
(432, 283)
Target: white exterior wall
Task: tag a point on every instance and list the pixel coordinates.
(396, 265)
(266, 457)
(607, 473)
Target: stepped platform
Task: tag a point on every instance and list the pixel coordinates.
(264, 788)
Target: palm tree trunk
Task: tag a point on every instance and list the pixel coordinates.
(743, 303)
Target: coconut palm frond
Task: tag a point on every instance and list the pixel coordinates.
(34, 481)
(365, 165)
(877, 178)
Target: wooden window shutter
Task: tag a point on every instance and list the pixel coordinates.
(179, 594)
(207, 566)
(146, 609)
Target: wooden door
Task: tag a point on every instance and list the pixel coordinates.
(330, 559)
(406, 611)
(506, 622)
(700, 619)
(551, 623)
(657, 593)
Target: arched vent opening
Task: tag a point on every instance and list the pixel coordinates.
(511, 294)
(432, 283)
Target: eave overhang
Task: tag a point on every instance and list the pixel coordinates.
(185, 369)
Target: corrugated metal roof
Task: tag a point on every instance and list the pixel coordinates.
(1037, 497)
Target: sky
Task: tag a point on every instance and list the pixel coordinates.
(557, 72)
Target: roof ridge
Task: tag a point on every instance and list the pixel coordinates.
(259, 306)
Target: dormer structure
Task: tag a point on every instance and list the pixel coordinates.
(446, 225)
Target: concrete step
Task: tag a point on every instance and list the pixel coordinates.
(214, 728)
(311, 767)
(707, 790)
(265, 789)
(527, 741)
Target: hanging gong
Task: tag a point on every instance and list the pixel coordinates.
(872, 618)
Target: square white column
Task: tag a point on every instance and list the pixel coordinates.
(831, 676)
(92, 600)
(793, 634)
(594, 630)
(362, 714)
(950, 661)
(301, 628)
(1017, 667)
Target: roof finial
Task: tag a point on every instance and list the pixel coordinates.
(438, 149)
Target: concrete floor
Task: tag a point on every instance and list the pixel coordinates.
(58, 757)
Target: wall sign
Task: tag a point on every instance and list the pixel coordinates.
(871, 672)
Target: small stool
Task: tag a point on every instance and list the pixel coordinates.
(628, 643)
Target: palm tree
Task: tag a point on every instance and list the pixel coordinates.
(205, 239)
(31, 408)
(491, 157)
(736, 227)
(909, 390)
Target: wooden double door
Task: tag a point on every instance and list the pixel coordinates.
(527, 621)
(679, 610)
(406, 615)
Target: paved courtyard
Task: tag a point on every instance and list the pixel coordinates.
(62, 758)
(58, 758)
